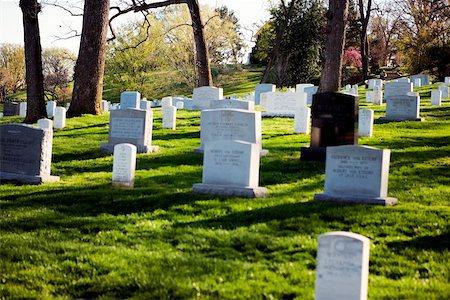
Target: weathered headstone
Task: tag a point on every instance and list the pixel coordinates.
(436, 97)
(424, 79)
(25, 154)
(124, 165)
(283, 104)
(59, 120)
(202, 96)
(231, 168)
(334, 122)
(356, 174)
(395, 89)
(51, 106)
(130, 100)
(11, 109)
(232, 103)
(23, 109)
(365, 122)
(302, 120)
(342, 266)
(45, 124)
(444, 90)
(230, 124)
(169, 119)
(403, 108)
(263, 88)
(310, 91)
(131, 126)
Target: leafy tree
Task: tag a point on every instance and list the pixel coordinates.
(12, 69)
(263, 45)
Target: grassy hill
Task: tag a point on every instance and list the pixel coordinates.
(82, 238)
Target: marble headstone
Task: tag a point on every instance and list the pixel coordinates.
(310, 91)
(302, 120)
(59, 120)
(233, 103)
(124, 165)
(105, 106)
(169, 119)
(51, 106)
(46, 124)
(424, 79)
(130, 100)
(403, 108)
(263, 88)
(394, 89)
(365, 122)
(436, 97)
(202, 96)
(283, 104)
(444, 90)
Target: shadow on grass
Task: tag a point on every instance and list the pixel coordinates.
(435, 243)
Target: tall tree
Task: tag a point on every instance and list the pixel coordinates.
(364, 14)
(90, 66)
(330, 79)
(33, 61)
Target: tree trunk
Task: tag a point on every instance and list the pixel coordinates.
(364, 43)
(201, 51)
(90, 66)
(33, 61)
(330, 79)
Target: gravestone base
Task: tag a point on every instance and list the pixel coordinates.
(27, 179)
(313, 154)
(386, 119)
(386, 201)
(230, 191)
(109, 148)
(262, 153)
(123, 184)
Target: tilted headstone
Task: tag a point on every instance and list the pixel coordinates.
(436, 98)
(302, 120)
(283, 104)
(124, 165)
(342, 271)
(59, 120)
(395, 89)
(365, 122)
(11, 109)
(25, 154)
(424, 79)
(230, 124)
(130, 100)
(444, 90)
(202, 96)
(169, 119)
(356, 174)
(51, 106)
(231, 168)
(263, 88)
(105, 106)
(131, 126)
(310, 91)
(23, 109)
(233, 103)
(334, 122)
(45, 124)
(403, 108)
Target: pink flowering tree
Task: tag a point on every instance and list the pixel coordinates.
(352, 58)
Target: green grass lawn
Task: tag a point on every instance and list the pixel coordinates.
(82, 238)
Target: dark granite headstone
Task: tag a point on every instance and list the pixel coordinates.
(334, 123)
(25, 154)
(11, 109)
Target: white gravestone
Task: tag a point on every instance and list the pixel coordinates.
(417, 82)
(179, 105)
(404, 80)
(353, 91)
(233, 103)
(67, 106)
(424, 79)
(263, 88)
(342, 271)
(302, 120)
(166, 101)
(59, 120)
(394, 89)
(130, 126)
(365, 122)
(231, 168)
(130, 100)
(445, 91)
(377, 96)
(202, 96)
(375, 82)
(283, 104)
(169, 119)
(403, 108)
(369, 96)
(124, 165)
(447, 80)
(436, 98)
(105, 106)
(51, 105)
(263, 100)
(230, 124)
(23, 109)
(45, 124)
(347, 87)
(1, 115)
(356, 174)
(145, 105)
(310, 91)
(300, 88)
